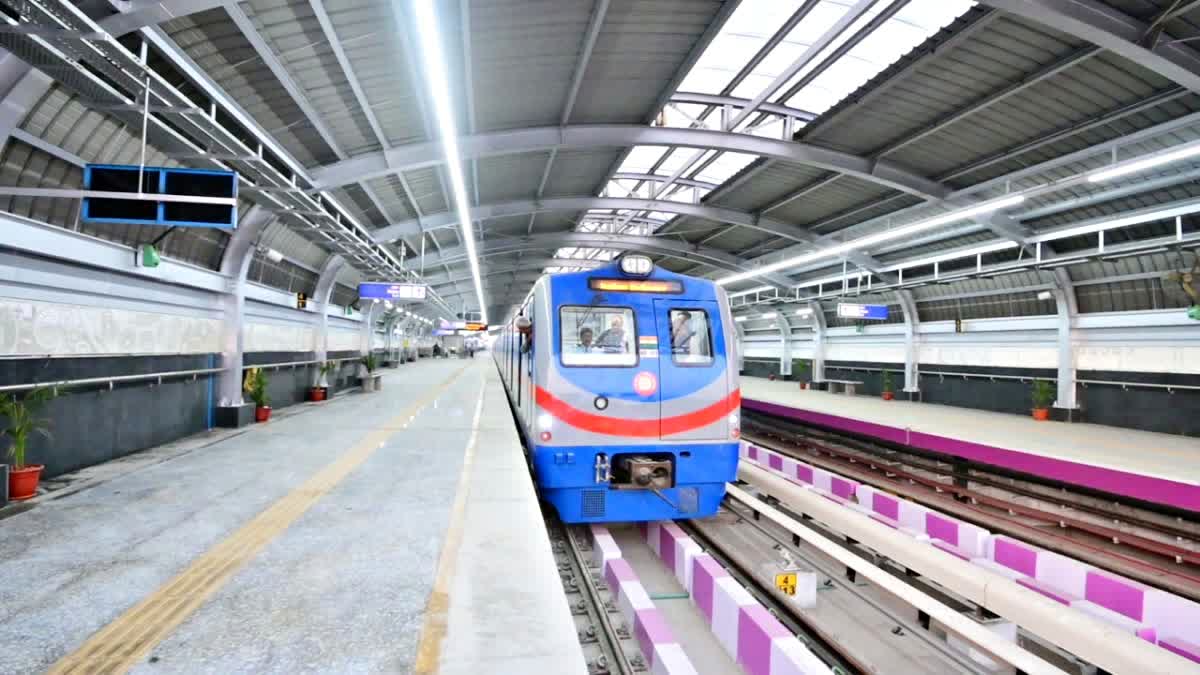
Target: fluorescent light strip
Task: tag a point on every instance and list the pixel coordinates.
(439, 88)
(879, 237)
(752, 291)
(1142, 164)
(1191, 206)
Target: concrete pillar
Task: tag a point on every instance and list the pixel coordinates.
(818, 326)
(325, 283)
(785, 343)
(1064, 300)
(234, 265)
(367, 330)
(912, 380)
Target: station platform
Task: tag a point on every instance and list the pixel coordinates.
(1152, 467)
(376, 533)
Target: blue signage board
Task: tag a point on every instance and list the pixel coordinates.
(371, 290)
(204, 184)
(848, 310)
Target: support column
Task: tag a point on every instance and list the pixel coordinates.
(785, 340)
(325, 281)
(740, 345)
(912, 379)
(1064, 299)
(234, 265)
(367, 330)
(818, 326)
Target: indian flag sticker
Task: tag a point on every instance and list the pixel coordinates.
(648, 340)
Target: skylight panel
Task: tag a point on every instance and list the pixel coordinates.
(641, 158)
(725, 166)
(911, 26)
(752, 24)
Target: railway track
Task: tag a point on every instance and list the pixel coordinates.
(607, 646)
(1136, 545)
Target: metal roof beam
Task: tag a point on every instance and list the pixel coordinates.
(135, 14)
(518, 208)
(658, 178)
(540, 139)
(1115, 31)
(686, 97)
(622, 242)
(533, 264)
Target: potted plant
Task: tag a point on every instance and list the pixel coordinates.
(799, 368)
(320, 391)
(888, 385)
(369, 382)
(256, 389)
(21, 422)
(1043, 398)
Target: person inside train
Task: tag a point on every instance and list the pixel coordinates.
(613, 339)
(681, 332)
(585, 340)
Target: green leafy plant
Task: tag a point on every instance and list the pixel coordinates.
(326, 368)
(799, 369)
(888, 382)
(22, 421)
(1043, 394)
(256, 387)
(369, 363)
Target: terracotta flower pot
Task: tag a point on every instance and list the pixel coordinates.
(888, 396)
(316, 394)
(1041, 414)
(23, 483)
(262, 413)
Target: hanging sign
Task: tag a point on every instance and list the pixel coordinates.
(372, 290)
(847, 310)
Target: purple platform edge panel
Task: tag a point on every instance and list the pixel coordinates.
(651, 631)
(705, 572)
(941, 528)
(1147, 488)
(885, 505)
(842, 487)
(804, 473)
(1181, 647)
(1015, 556)
(775, 461)
(1115, 594)
(756, 629)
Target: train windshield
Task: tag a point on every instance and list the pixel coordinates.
(691, 338)
(598, 336)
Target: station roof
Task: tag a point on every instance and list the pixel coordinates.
(797, 149)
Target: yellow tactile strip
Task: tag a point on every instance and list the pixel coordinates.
(123, 643)
(437, 610)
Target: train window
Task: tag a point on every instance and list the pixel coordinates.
(691, 337)
(598, 336)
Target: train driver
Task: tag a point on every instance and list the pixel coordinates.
(681, 333)
(585, 340)
(614, 337)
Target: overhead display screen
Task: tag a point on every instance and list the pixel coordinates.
(848, 310)
(371, 290)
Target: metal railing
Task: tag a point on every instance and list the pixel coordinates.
(943, 374)
(157, 378)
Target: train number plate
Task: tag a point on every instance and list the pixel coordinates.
(786, 583)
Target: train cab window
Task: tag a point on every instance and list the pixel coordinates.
(598, 336)
(691, 337)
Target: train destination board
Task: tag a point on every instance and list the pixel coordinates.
(371, 290)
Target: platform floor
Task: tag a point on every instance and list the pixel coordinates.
(311, 544)
(1154, 467)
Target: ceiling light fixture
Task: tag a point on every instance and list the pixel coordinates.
(439, 88)
(752, 291)
(1148, 163)
(878, 237)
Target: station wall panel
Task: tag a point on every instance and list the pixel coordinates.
(54, 329)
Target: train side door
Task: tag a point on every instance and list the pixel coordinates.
(692, 370)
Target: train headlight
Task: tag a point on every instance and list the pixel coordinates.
(735, 429)
(545, 422)
(645, 383)
(636, 265)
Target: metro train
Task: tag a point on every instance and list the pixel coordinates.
(623, 382)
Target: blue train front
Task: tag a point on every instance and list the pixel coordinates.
(622, 382)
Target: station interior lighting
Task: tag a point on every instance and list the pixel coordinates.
(1151, 162)
(436, 71)
(740, 319)
(878, 238)
(768, 315)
